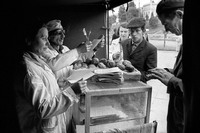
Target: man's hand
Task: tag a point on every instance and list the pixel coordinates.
(117, 56)
(87, 55)
(160, 74)
(82, 48)
(88, 45)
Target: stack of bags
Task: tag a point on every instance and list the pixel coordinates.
(109, 75)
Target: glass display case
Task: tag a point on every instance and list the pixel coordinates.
(108, 106)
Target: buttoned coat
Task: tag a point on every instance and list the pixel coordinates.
(143, 58)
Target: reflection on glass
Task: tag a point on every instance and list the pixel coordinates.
(120, 107)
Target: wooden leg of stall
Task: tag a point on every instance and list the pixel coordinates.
(148, 106)
(87, 114)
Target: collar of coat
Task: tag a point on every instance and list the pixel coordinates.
(140, 46)
(40, 61)
(136, 44)
(116, 41)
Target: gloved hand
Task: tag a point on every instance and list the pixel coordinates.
(79, 87)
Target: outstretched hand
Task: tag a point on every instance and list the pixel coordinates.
(160, 74)
(84, 47)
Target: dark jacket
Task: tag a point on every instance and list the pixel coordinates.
(143, 58)
(175, 90)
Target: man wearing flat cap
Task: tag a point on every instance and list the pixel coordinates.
(170, 13)
(141, 53)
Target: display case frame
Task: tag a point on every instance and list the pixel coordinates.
(103, 89)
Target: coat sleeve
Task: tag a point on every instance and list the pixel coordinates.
(46, 105)
(175, 86)
(110, 51)
(63, 60)
(125, 46)
(151, 62)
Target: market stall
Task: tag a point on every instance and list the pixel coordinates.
(114, 101)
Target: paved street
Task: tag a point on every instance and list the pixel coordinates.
(160, 98)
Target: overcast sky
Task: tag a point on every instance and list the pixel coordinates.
(142, 2)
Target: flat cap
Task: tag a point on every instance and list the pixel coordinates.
(136, 22)
(123, 24)
(165, 5)
(54, 25)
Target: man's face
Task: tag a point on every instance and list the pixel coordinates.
(174, 25)
(58, 37)
(123, 33)
(136, 34)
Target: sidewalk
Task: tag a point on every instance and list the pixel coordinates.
(168, 46)
(159, 103)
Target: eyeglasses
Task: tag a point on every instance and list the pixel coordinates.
(58, 32)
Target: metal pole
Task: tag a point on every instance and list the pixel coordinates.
(107, 34)
(165, 34)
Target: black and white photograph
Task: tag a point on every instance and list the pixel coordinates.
(100, 66)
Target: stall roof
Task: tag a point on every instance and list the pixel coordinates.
(110, 3)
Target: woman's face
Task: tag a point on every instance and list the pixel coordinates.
(123, 33)
(42, 41)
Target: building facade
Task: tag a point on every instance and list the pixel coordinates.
(149, 9)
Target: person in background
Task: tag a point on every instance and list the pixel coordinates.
(170, 13)
(41, 105)
(116, 33)
(141, 53)
(57, 48)
(115, 48)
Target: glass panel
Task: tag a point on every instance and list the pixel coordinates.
(120, 107)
